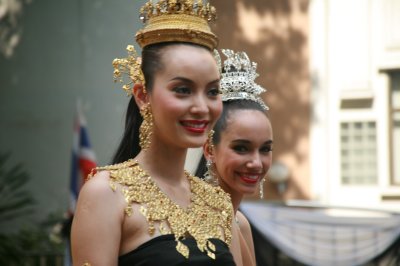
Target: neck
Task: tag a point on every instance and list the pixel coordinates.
(163, 162)
(235, 196)
(236, 199)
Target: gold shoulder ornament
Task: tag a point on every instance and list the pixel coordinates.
(209, 214)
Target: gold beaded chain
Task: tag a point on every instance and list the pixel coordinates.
(209, 214)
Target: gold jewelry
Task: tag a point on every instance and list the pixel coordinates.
(217, 58)
(146, 128)
(177, 21)
(210, 209)
(210, 141)
(130, 67)
(261, 187)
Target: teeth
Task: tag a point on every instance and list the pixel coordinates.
(202, 125)
(251, 176)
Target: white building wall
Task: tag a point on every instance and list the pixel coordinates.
(352, 44)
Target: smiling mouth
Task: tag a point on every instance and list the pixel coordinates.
(196, 126)
(250, 178)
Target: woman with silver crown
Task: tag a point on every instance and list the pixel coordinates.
(238, 152)
(145, 209)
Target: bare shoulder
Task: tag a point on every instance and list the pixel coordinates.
(97, 197)
(96, 228)
(248, 253)
(244, 224)
(98, 189)
(245, 230)
(98, 183)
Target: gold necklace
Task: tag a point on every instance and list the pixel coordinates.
(209, 214)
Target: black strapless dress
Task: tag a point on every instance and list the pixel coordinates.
(161, 251)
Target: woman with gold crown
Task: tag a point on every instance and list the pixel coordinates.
(238, 154)
(145, 209)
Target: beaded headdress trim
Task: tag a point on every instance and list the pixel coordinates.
(237, 82)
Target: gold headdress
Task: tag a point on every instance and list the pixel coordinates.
(177, 20)
(237, 82)
(166, 21)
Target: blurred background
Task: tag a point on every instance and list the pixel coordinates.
(332, 73)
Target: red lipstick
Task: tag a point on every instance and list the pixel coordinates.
(195, 126)
(250, 178)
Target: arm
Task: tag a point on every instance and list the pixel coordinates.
(247, 244)
(96, 228)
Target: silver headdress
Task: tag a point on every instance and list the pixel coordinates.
(237, 82)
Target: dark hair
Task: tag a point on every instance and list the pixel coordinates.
(151, 64)
(229, 107)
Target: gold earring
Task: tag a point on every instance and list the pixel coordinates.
(146, 128)
(209, 175)
(210, 141)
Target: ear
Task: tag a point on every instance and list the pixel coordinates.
(140, 94)
(208, 151)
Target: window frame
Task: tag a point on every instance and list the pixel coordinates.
(394, 77)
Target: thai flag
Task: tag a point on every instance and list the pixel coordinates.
(82, 163)
(83, 157)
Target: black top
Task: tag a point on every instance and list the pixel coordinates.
(161, 250)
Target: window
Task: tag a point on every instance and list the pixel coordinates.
(358, 153)
(394, 105)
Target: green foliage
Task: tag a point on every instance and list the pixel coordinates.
(16, 202)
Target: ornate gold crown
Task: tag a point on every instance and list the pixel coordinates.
(177, 20)
(237, 82)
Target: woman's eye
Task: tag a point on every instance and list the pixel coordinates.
(214, 92)
(182, 90)
(266, 149)
(239, 149)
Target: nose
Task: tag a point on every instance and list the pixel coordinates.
(255, 162)
(199, 105)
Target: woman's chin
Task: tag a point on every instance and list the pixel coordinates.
(196, 142)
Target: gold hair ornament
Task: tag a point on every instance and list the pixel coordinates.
(130, 67)
(237, 82)
(177, 21)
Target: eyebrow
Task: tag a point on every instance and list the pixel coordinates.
(245, 141)
(191, 81)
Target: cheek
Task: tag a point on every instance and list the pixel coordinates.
(167, 108)
(216, 109)
(268, 162)
(230, 164)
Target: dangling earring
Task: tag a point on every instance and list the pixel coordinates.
(261, 187)
(210, 176)
(146, 128)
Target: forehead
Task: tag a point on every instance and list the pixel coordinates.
(184, 56)
(247, 124)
